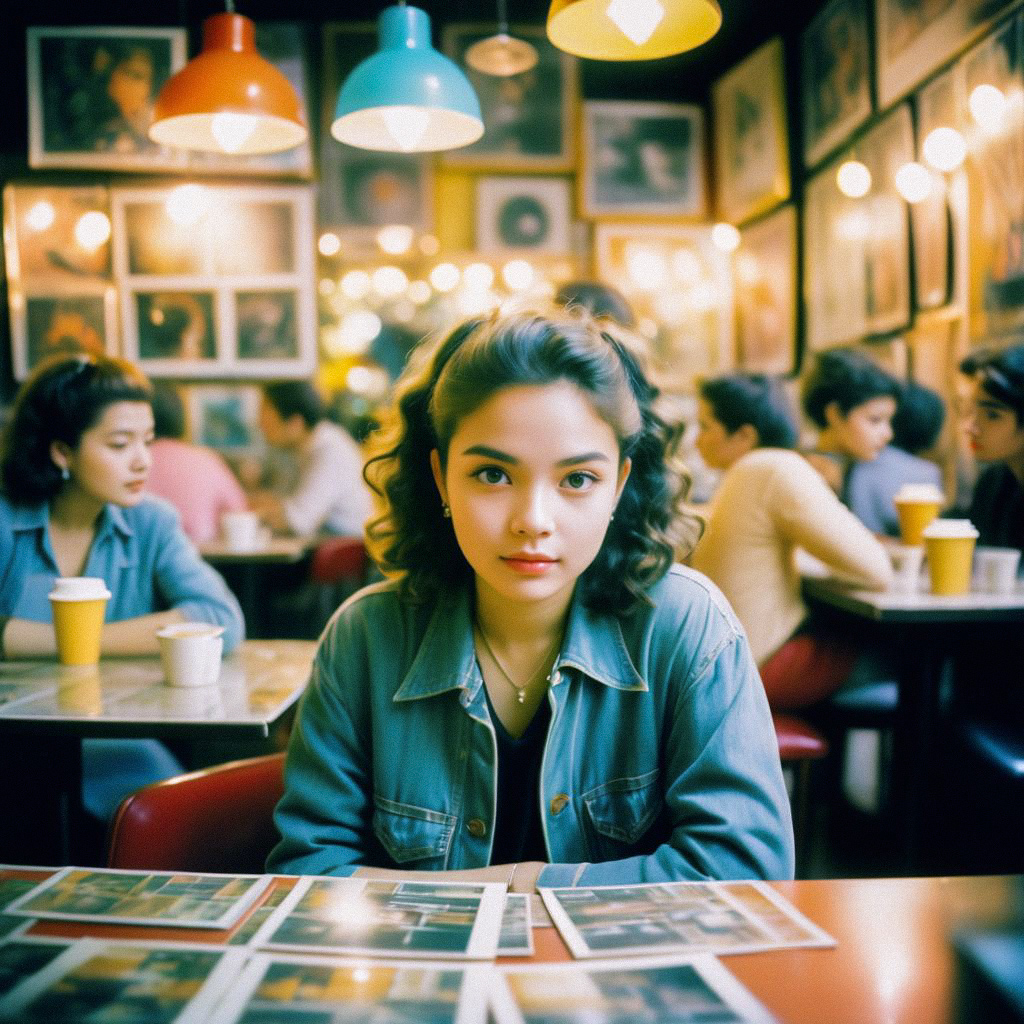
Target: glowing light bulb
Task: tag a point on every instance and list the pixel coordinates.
(232, 131)
(329, 244)
(988, 108)
(914, 182)
(356, 284)
(853, 179)
(445, 276)
(685, 266)
(636, 19)
(478, 277)
(944, 149)
(41, 215)
(92, 230)
(518, 275)
(406, 125)
(419, 292)
(395, 239)
(725, 237)
(390, 281)
(186, 205)
(645, 266)
(356, 331)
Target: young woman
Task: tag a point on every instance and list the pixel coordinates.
(995, 427)
(74, 460)
(770, 502)
(538, 694)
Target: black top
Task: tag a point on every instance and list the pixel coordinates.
(997, 508)
(518, 833)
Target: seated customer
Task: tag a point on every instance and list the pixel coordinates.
(995, 426)
(769, 503)
(74, 462)
(851, 400)
(871, 486)
(192, 477)
(329, 494)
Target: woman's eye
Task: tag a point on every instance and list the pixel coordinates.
(490, 475)
(580, 481)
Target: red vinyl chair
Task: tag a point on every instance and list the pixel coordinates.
(339, 559)
(799, 745)
(217, 819)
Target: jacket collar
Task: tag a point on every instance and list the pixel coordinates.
(37, 517)
(446, 659)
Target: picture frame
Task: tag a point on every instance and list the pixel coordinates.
(835, 79)
(887, 146)
(523, 213)
(680, 287)
(751, 146)
(91, 93)
(194, 305)
(643, 160)
(914, 37)
(529, 118)
(224, 417)
(766, 294)
(361, 190)
(72, 320)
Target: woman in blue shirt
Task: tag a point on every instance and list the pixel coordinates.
(537, 695)
(73, 462)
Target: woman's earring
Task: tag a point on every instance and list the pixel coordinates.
(611, 517)
(65, 473)
(446, 510)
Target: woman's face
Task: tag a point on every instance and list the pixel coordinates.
(718, 448)
(993, 429)
(865, 430)
(112, 459)
(532, 479)
(131, 83)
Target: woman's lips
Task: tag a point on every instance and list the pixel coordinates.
(530, 565)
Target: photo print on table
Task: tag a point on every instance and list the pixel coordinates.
(523, 213)
(25, 955)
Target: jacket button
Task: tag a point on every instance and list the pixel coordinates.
(559, 803)
(556, 677)
(476, 828)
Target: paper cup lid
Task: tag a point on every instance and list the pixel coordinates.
(950, 528)
(79, 588)
(919, 492)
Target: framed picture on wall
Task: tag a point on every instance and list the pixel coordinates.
(680, 286)
(529, 118)
(835, 81)
(91, 93)
(642, 159)
(224, 417)
(75, 320)
(360, 190)
(750, 136)
(523, 213)
(765, 291)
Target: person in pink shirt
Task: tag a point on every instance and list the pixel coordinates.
(192, 477)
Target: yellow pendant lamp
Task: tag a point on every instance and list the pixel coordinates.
(631, 29)
(229, 99)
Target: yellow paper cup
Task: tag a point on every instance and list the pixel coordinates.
(949, 546)
(915, 516)
(78, 605)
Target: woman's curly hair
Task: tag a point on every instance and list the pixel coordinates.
(447, 381)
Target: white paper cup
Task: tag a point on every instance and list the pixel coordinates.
(995, 570)
(241, 530)
(191, 653)
(906, 568)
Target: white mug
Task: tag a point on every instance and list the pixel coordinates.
(241, 530)
(191, 653)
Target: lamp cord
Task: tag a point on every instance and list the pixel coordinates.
(229, 6)
(502, 18)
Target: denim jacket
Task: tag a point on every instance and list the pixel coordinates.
(660, 763)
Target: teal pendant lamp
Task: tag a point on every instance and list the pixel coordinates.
(407, 97)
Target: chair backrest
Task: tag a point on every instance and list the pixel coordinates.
(339, 559)
(216, 819)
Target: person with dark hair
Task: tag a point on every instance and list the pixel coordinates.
(995, 426)
(74, 459)
(600, 300)
(328, 494)
(851, 400)
(192, 477)
(872, 486)
(769, 503)
(537, 695)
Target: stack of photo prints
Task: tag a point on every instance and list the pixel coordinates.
(87, 944)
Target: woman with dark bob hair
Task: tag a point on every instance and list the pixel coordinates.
(770, 501)
(74, 458)
(995, 427)
(537, 695)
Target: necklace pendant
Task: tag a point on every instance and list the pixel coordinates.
(521, 696)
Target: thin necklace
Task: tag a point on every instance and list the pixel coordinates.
(520, 690)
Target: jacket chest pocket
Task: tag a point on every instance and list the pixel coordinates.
(620, 813)
(411, 835)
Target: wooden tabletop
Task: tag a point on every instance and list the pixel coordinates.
(275, 551)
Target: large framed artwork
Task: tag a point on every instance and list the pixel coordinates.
(60, 290)
(643, 160)
(529, 118)
(361, 190)
(680, 286)
(884, 150)
(750, 135)
(914, 37)
(91, 93)
(835, 80)
(528, 212)
(195, 302)
(765, 290)
(995, 169)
